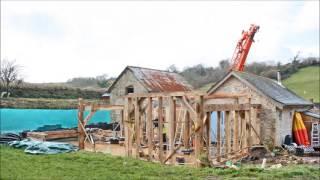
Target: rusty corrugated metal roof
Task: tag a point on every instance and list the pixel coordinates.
(160, 81)
(157, 80)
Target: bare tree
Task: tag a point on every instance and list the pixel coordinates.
(173, 68)
(10, 74)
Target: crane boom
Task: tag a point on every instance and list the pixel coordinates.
(242, 49)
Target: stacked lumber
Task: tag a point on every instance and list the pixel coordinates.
(49, 135)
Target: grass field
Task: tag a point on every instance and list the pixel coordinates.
(305, 83)
(15, 164)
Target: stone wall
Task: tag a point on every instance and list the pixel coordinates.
(267, 113)
(127, 79)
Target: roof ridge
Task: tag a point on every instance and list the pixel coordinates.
(151, 69)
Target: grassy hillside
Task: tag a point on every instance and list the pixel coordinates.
(305, 82)
(15, 164)
(53, 91)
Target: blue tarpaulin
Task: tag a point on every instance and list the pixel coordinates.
(43, 147)
(18, 120)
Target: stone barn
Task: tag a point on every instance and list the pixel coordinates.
(144, 80)
(278, 103)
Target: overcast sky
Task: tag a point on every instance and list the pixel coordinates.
(55, 41)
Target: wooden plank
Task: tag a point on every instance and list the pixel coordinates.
(129, 126)
(168, 94)
(187, 105)
(208, 138)
(186, 135)
(160, 126)
(249, 133)
(225, 95)
(149, 127)
(81, 131)
(172, 153)
(121, 123)
(227, 144)
(126, 128)
(218, 136)
(137, 126)
(236, 131)
(171, 125)
(243, 129)
(255, 125)
(228, 107)
(187, 93)
(248, 128)
(199, 133)
(103, 107)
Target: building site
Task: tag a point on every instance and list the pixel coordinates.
(149, 123)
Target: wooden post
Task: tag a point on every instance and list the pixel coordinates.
(81, 137)
(247, 129)
(129, 125)
(160, 133)
(208, 125)
(236, 131)
(172, 117)
(199, 133)
(126, 124)
(227, 143)
(256, 121)
(137, 126)
(218, 136)
(186, 134)
(149, 128)
(121, 123)
(249, 133)
(244, 129)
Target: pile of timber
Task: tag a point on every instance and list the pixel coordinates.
(102, 135)
(50, 135)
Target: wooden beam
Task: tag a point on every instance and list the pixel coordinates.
(137, 125)
(208, 138)
(236, 131)
(103, 107)
(225, 95)
(187, 93)
(244, 129)
(171, 125)
(172, 153)
(185, 103)
(129, 127)
(227, 138)
(249, 133)
(229, 107)
(121, 123)
(167, 94)
(199, 133)
(126, 128)
(186, 135)
(218, 136)
(149, 128)
(160, 126)
(81, 131)
(87, 119)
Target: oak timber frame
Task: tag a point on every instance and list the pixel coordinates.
(82, 122)
(142, 110)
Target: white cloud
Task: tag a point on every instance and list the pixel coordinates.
(103, 37)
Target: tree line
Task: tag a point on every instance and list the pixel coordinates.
(200, 75)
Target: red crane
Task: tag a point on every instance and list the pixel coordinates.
(243, 46)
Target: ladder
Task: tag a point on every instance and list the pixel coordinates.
(180, 126)
(315, 134)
